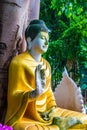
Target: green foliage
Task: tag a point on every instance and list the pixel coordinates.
(68, 39)
(57, 58)
(84, 86)
(71, 8)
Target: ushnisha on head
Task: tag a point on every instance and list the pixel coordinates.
(37, 36)
(35, 27)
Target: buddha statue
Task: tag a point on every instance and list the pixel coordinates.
(31, 102)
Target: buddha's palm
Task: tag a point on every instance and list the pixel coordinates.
(40, 80)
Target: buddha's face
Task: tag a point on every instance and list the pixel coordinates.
(40, 43)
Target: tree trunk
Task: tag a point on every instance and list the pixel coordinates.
(15, 15)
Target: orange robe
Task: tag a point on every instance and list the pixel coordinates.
(23, 112)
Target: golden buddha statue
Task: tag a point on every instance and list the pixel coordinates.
(31, 102)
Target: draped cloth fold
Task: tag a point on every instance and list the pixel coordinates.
(23, 113)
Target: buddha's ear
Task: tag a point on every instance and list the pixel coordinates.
(29, 43)
(28, 39)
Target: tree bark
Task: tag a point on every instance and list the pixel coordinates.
(15, 15)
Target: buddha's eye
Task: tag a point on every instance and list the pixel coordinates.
(42, 37)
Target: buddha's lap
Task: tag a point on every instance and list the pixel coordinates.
(31, 126)
(25, 125)
(28, 124)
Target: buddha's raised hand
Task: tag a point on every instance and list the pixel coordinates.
(40, 79)
(40, 82)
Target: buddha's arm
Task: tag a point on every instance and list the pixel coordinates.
(50, 99)
(51, 105)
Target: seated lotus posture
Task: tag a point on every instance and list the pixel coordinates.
(31, 102)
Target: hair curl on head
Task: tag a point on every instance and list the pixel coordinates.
(34, 28)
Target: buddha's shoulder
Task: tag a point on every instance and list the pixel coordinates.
(19, 59)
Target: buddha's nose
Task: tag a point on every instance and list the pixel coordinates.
(46, 43)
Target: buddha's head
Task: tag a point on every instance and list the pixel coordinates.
(37, 36)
